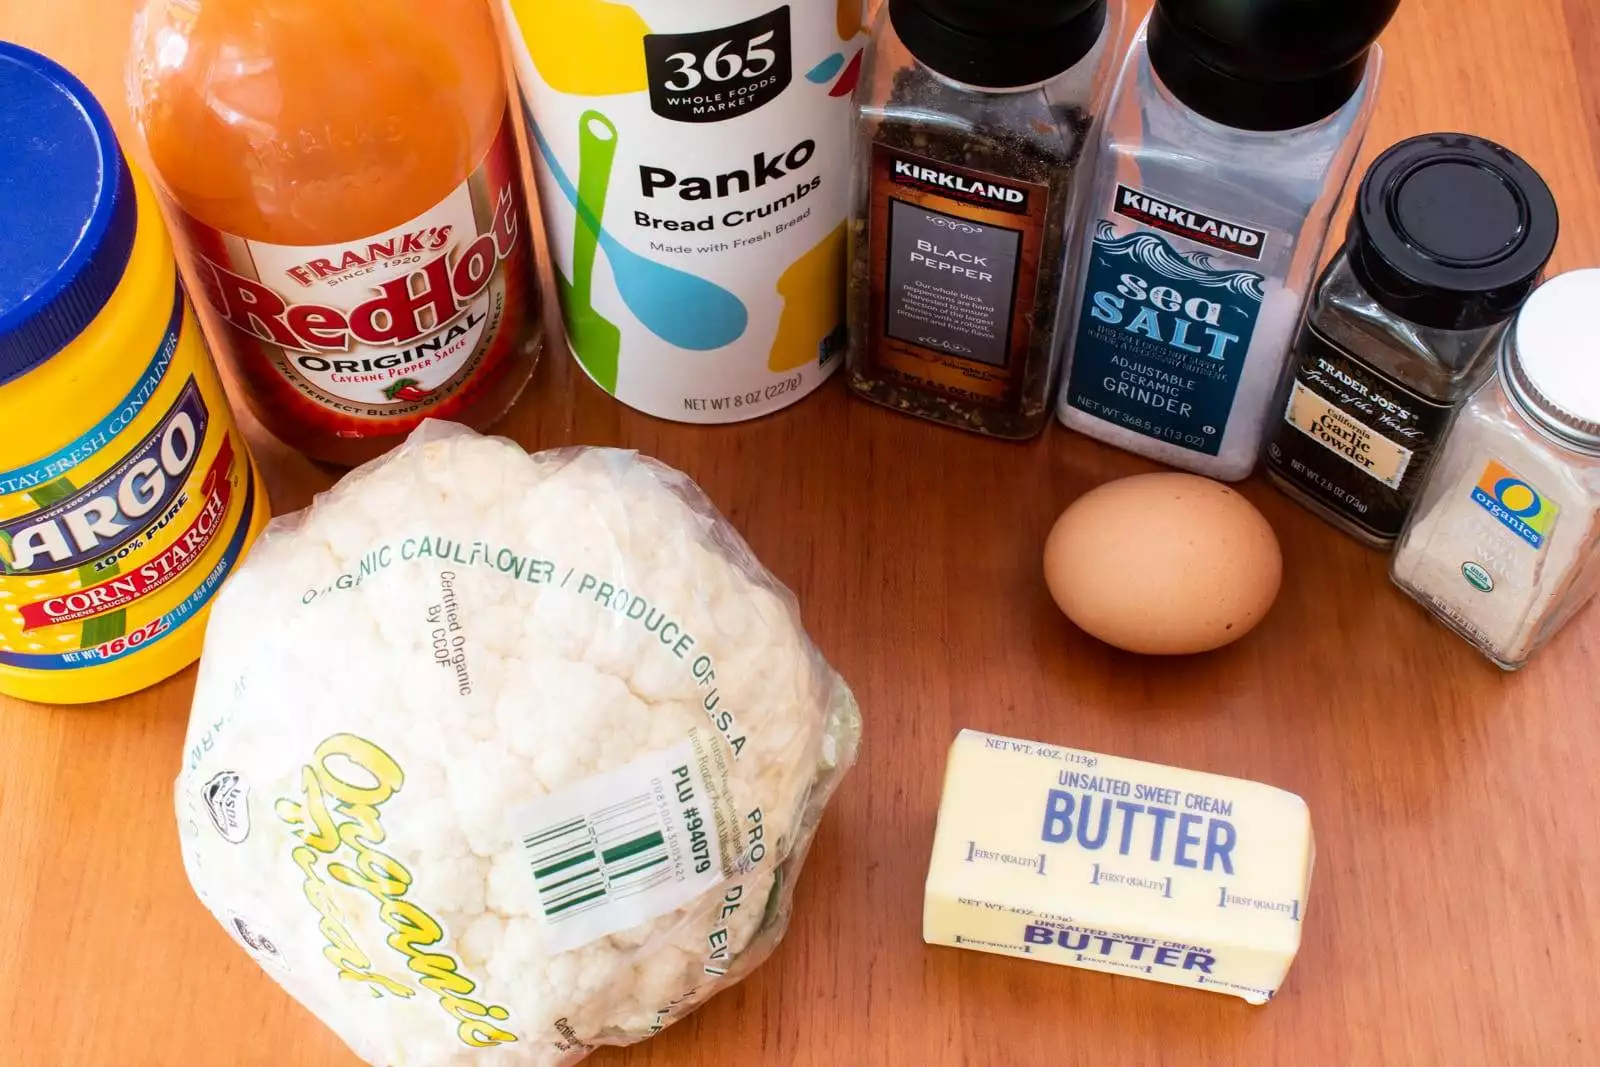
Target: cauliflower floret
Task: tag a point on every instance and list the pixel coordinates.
(497, 722)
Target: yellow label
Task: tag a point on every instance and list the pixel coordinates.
(112, 542)
(339, 824)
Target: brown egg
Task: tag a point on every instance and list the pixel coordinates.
(1164, 564)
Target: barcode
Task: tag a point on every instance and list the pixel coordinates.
(614, 853)
(601, 864)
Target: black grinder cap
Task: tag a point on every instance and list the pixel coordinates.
(1265, 64)
(999, 44)
(1452, 231)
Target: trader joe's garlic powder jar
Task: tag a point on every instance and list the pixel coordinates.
(693, 161)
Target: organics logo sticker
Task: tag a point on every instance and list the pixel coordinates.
(227, 801)
(1518, 506)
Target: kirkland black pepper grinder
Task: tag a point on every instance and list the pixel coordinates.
(973, 119)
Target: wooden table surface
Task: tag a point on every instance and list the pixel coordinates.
(1455, 914)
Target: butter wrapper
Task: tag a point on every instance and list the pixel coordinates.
(1120, 866)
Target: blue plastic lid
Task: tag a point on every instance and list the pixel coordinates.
(67, 210)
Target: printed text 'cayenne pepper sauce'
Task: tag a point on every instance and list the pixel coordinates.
(349, 180)
(126, 493)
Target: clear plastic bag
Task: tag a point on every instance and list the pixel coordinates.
(495, 758)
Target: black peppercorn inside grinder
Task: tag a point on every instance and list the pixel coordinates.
(973, 117)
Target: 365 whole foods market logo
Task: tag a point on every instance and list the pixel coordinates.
(720, 74)
(1518, 506)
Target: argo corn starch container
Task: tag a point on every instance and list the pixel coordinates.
(126, 492)
(693, 161)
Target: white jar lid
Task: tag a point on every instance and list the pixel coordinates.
(1552, 363)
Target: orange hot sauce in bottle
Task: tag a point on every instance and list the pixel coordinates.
(348, 179)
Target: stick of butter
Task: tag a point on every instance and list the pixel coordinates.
(1120, 866)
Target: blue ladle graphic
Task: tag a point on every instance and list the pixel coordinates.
(680, 308)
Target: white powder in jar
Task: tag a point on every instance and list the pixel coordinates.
(1503, 544)
(1466, 556)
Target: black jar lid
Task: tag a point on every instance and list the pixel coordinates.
(1265, 64)
(1452, 231)
(999, 44)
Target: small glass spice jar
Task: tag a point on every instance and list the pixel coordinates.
(1449, 237)
(1504, 542)
(974, 116)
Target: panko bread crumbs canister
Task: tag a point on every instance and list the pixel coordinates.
(126, 492)
(693, 162)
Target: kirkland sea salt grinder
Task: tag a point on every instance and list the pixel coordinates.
(974, 118)
(1449, 237)
(1229, 138)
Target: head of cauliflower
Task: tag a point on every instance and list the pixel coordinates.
(495, 758)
